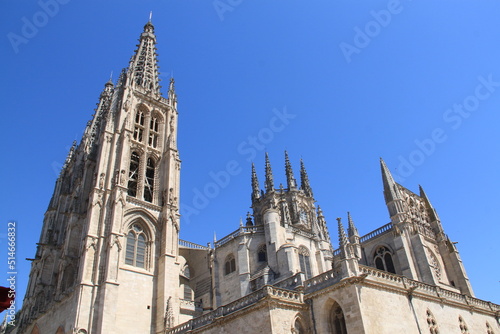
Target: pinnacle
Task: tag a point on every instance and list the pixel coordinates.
(342, 236)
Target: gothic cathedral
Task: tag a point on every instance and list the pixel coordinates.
(110, 260)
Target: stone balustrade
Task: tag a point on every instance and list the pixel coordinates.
(376, 232)
(192, 245)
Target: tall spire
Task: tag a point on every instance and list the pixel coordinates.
(143, 68)
(290, 179)
(391, 191)
(304, 180)
(351, 229)
(255, 185)
(269, 176)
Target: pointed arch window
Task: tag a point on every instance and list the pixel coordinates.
(305, 261)
(431, 321)
(135, 254)
(68, 278)
(133, 176)
(229, 264)
(262, 253)
(383, 260)
(139, 126)
(337, 322)
(149, 180)
(298, 327)
(153, 132)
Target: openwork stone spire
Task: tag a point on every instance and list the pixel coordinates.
(304, 180)
(143, 69)
(290, 179)
(255, 185)
(269, 176)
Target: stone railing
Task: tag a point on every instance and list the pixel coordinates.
(227, 238)
(252, 229)
(321, 281)
(291, 282)
(242, 230)
(428, 289)
(375, 233)
(190, 305)
(192, 245)
(380, 273)
(251, 299)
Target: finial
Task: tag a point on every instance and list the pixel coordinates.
(269, 176)
(255, 184)
(249, 220)
(290, 179)
(320, 212)
(351, 229)
(304, 180)
(150, 16)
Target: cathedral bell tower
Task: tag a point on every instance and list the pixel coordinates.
(107, 257)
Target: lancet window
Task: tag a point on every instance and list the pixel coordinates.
(133, 176)
(139, 126)
(262, 253)
(153, 132)
(149, 180)
(229, 264)
(305, 261)
(135, 254)
(337, 322)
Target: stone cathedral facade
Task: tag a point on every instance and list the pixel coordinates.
(110, 260)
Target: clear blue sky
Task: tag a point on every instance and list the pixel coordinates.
(358, 81)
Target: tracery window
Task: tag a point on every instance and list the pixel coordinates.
(262, 253)
(337, 322)
(383, 260)
(303, 218)
(305, 262)
(135, 254)
(133, 175)
(431, 321)
(464, 329)
(229, 264)
(139, 125)
(149, 180)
